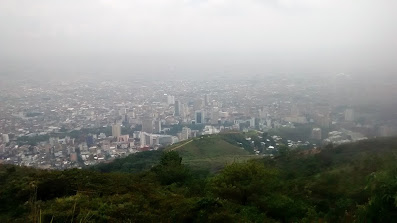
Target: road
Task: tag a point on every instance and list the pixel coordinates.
(181, 145)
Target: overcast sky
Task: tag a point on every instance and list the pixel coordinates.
(197, 37)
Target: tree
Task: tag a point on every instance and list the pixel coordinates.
(382, 205)
(284, 151)
(243, 183)
(171, 170)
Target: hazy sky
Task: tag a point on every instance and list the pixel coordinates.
(197, 37)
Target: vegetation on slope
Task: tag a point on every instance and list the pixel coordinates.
(207, 153)
(134, 163)
(350, 183)
(211, 153)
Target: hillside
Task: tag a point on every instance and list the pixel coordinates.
(134, 163)
(349, 183)
(210, 152)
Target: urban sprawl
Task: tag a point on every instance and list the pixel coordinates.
(77, 123)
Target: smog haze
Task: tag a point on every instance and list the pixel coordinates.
(186, 38)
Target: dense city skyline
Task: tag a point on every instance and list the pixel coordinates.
(78, 122)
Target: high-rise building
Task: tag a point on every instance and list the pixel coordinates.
(149, 139)
(6, 139)
(142, 139)
(89, 140)
(199, 117)
(215, 117)
(184, 111)
(157, 126)
(186, 133)
(147, 125)
(177, 108)
(116, 130)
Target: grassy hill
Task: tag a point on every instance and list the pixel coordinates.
(210, 152)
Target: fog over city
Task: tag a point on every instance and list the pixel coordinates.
(198, 111)
(197, 38)
(85, 82)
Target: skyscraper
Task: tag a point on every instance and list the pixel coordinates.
(116, 130)
(89, 140)
(142, 138)
(157, 126)
(177, 108)
(199, 117)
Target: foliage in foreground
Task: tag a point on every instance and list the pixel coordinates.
(350, 183)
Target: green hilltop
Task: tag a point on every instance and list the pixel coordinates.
(211, 152)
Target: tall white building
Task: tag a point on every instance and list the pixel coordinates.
(157, 126)
(142, 140)
(186, 133)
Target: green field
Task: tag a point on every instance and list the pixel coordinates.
(210, 152)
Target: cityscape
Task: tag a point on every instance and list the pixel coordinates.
(236, 111)
(73, 124)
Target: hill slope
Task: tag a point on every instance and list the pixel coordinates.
(349, 183)
(134, 163)
(210, 152)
